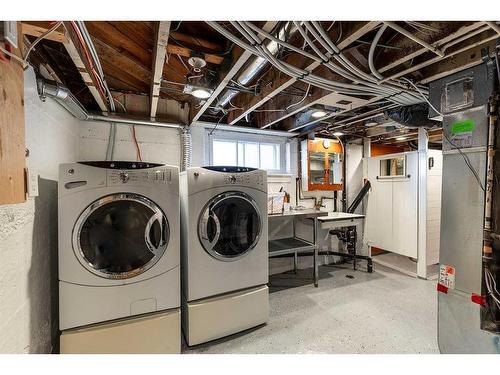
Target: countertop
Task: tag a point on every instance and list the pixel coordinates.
(337, 216)
(308, 212)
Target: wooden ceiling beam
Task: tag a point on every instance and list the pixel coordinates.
(119, 62)
(461, 61)
(194, 41)
(281, 84)
(159, 54)
(402, 56)
(77, 54)
(240, 57)
(36, 31)
(186, 52)
(453, 50)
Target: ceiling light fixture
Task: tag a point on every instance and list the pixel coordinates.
(338, 134)
(197, 63)
(400, 138)
(201, 93)
(197, 91)
(318, 113)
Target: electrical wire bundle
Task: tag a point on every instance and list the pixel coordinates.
(24, 59)
(363, 84)
(491, 286)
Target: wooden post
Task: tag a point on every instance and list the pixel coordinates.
(159, 54)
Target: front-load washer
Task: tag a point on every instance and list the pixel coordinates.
(224, 251)
(118, 242)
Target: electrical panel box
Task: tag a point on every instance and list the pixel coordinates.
(8, 32)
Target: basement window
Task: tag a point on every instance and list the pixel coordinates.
(265, 155)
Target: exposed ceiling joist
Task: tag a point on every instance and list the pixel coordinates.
(240, 57)
(83, 65)
(458, 49)
(461, 61)
(186, 52)
(281, 84)
(402, 56)
(34, 30)
(159, 54)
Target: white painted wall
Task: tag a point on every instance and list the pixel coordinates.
(28, 232)
(157, 145)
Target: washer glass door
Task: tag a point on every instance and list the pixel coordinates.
(120, 236)
(230, 225)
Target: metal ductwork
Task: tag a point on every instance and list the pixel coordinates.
(414, 116)
(255, 66)
(63, 96)
(66, 99)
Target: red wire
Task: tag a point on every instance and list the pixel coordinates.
(85, 50)
(136, 144)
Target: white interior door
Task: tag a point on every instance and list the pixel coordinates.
(405, 210)
(379, 211)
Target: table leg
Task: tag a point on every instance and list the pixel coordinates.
(315, 256)
(295, 262)
(354, 246)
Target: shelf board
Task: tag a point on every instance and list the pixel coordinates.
(288, 246)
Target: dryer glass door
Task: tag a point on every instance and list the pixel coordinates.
(120, 236)
(230, 226)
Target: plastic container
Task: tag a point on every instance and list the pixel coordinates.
(275, 203)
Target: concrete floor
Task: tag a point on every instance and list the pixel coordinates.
(382, 312)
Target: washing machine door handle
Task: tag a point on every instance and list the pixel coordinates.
(207, 215)
(157, 217)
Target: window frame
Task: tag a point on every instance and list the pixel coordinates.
(249, 138)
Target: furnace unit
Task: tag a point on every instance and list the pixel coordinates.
(468, 310)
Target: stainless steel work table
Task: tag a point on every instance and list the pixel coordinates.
(296, 245)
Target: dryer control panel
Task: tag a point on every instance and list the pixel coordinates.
(202, 178)
(127, 176)
(244, 179)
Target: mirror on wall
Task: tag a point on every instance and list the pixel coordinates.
(317, 168)
(334, 168)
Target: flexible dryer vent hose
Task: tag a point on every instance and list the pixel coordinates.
(186, 148)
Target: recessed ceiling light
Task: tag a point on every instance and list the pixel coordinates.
(400, 138)
(318, 113)
(338, 134)
(201, 93)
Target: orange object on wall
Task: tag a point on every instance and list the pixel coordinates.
(379, 150)
(318, 146)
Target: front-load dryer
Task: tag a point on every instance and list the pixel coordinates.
(224, 246)
(118, 242)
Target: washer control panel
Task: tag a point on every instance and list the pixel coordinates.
(127, 176)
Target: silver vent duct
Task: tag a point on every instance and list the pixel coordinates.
(186, 146)
(66, 99)
(255, 66)
(63, 96)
